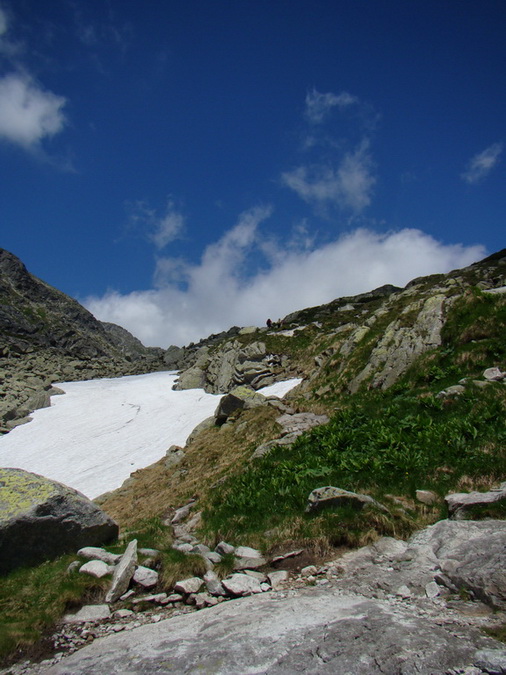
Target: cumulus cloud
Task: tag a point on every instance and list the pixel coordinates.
(482, 163)
(28, 113)
(215, 294)
(348, 185)
(319, 106)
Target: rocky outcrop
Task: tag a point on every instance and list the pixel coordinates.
(400, 345)
(317, 630)
(292, 426)
(394, 606)
(233, 364)
(461, 504)
(41, 519)
(329, 496)
(130, 347)
(448, 557)
(33, 315)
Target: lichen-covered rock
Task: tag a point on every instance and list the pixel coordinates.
(41, 519)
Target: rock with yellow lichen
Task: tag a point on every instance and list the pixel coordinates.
(41, 519)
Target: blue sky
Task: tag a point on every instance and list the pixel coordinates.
(180, 167)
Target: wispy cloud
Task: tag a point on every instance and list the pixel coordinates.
(159, 229)
(347, 185)
(482, 163)
(319, 106)
(3, 22)
(332, 174)
(199, 299)
(28, 113)
(168, 228)
(8, 47)
(95, 35)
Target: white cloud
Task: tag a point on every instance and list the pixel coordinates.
(482, 163)
(348, 185)
(319, 106)
(28, 113)
(215, 295)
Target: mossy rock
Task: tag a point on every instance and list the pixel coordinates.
(41, 519)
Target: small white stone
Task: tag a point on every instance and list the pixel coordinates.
(88, 613)
(310, 570)
(432, 589)
(403, 592)
(192, 585)
(247, 552)
(241, 584)
(123, 613)
(97, 568)
(145, 577)
(277, 578)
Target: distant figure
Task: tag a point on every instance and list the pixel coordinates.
(269, 323)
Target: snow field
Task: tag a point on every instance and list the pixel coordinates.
(99, 432)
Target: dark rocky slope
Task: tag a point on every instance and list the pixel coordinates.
(47, 336)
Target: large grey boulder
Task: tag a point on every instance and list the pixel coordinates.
(41, 519)
(318, 631)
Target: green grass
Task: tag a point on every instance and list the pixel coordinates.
(382, 444)
(32, 600)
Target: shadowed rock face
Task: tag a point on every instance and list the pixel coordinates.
(34, 314)
(46, 336)
(41, 519)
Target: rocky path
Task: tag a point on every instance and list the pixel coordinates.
(393, 608)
